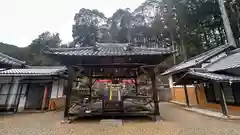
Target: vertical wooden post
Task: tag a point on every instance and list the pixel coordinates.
(19, 96)
(136, 84)
(186, 95)
(44, 98)
(58, 87)
(90, 84)
(223, 101)
(196, 87)
(68, 91)
(155, 93)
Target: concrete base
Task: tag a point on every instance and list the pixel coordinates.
(112, 122)
(159, 119)
(212, 113)
(206, 112)
(66, 121)
(182, 104)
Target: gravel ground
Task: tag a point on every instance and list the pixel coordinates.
(176, 122)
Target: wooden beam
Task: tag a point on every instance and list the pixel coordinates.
(195, 89)
(223, 101)
(110, 77)
(44, 98)
(186, 95)
(113, 65)
(90, 84)
(155, 94)
(136, 84)
(68, 91)
(19, 96)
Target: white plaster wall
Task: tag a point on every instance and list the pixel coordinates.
(54, 89)
(5, 80)
(61, 87)
(57, 88)
(13, 90)
(170, 80)
(5, 90)
(22, 99)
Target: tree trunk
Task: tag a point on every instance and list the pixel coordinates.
(183, 49)
(227, 25)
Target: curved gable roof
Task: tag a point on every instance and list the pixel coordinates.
(232, 60)
(109, 49)
(199, 59)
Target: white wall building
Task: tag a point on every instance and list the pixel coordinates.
(31, 88)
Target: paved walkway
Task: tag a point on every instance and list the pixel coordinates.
(175, 113)
(176, 122)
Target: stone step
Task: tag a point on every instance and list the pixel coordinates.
(112, 122)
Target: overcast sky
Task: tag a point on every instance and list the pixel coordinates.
(23, 20)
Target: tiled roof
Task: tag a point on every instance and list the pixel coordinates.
(204, 76)
(5, 59)
(215, 76)
(109, 49)
(1, 69)
(232, 60)
(33, 71)
(199, 59)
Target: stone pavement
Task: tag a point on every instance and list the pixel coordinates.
(232, 115)
(177, 121)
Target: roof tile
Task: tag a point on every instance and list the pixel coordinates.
(215, 76)
(109, 49)
(232, 60)
(199, 59)
(32, 71)
(5, 59)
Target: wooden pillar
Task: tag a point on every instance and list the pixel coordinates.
(196, 88)
(223, 101)
(69, 89)
(136, 78)
(136, 84)
(155, 93)
(44, 98)
(90, 84)
(186, 95)
(58, 87)
(19, 96)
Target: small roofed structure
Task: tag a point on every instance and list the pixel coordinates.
(37, 71)
(202, 61)
(113, 61)
(223, 75)
(196, 76)
(197, 61)
(31, 88)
